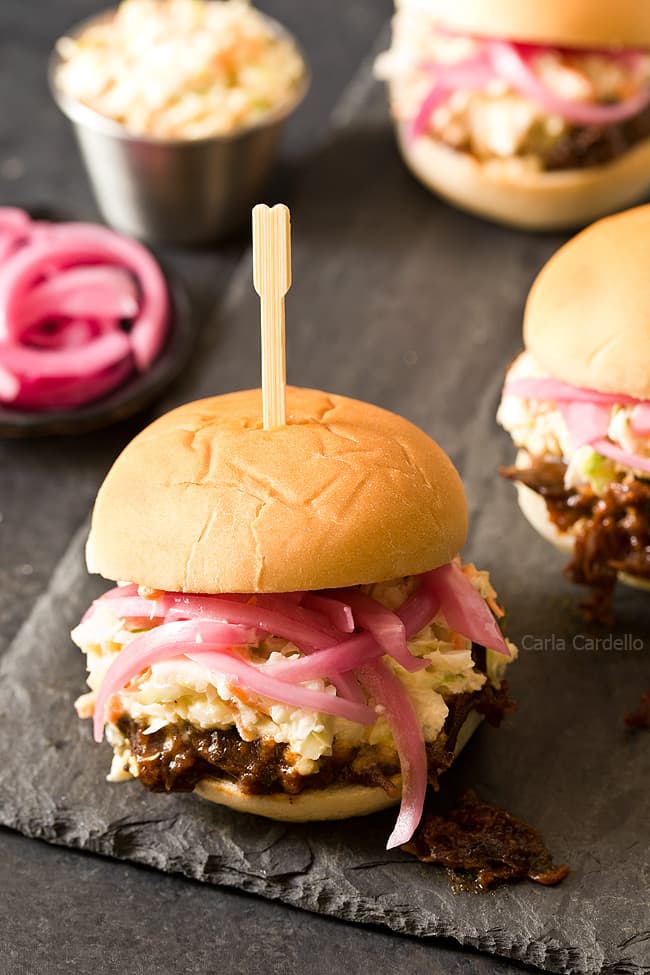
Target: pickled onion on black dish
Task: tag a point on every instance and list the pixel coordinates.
(82, 309)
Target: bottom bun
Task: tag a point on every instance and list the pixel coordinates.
(507, 192)
(534, 508)
(335, 802)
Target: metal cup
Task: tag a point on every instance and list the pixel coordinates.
(173, 190)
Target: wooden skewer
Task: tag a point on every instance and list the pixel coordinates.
(272, 280)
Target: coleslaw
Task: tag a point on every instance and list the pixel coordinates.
(181, 69)
(540, 427)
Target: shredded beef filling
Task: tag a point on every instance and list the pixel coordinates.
(614, 531)
(593, 145)
(486, 843)
(490, 702)
(176, 757)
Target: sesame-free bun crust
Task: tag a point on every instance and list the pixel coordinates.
(573, 23)
(587, 318)
(507, 192)
(335, 802)
(205, 500)
(534, 508)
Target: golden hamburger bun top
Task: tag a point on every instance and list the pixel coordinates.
(587, 318)
(570, 23)
(205, 500)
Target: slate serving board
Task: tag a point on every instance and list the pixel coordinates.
(403, 301)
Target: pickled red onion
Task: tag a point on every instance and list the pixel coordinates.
(65, 290)
(385, 626)
(272, 614)
(273, 622)
(134, 607)
(339, 659)
(585, 422)
(338, 613)
(608, 449)
(149, 328)
(111, 595)
(547, 388)
(81, 292)
(418, 610)
(511, 63)
(300, 614)
(345, 683)
(472, 74)
(130, 589)
(386, 690)
(640, 419)
(348, 686)
(437, 96)
(161, 643)
(70, 392)
(9, 385)
(464, 609)
(65, 333)
(83, 244)
(586, 413)
(100, 353)
(256, 680)
(293, 597)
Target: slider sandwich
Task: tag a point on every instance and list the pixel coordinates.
(576, 403)
(293, 633)
(534, 113)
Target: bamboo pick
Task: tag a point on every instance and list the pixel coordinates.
(272, 280)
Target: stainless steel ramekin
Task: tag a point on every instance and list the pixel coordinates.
(173, 190)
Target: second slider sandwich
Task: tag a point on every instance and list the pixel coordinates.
(531, 112)
(577, 405)
(294, 634)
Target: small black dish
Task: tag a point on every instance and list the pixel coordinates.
(138, 391)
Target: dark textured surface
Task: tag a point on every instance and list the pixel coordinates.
(121, 919)
(403, 301)
(133, 396)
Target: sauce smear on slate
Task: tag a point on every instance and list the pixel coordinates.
(486, 845)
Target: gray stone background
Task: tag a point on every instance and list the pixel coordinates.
(403, 301)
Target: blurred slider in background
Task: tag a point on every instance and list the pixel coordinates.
(576, 403)
(532, 114)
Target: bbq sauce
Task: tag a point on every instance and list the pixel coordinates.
(483, 845)
(611, 529)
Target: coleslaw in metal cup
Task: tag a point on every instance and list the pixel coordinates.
(175, 189)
